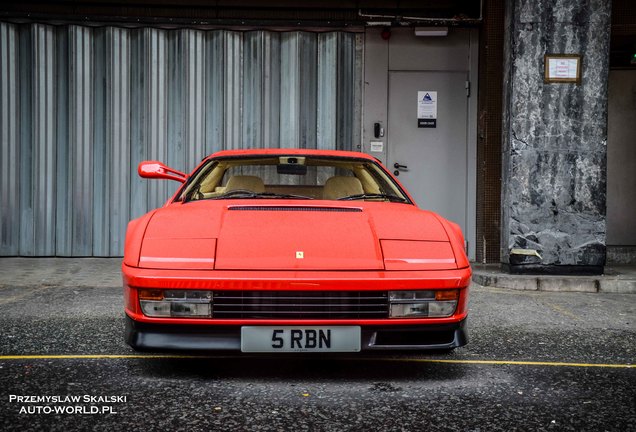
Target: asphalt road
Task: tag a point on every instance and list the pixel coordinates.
(536, 361)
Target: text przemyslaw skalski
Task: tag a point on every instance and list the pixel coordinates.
(58, 399)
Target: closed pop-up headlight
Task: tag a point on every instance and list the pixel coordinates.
(423, 304)
(176, 303)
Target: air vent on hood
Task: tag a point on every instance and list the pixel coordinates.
(297, 208)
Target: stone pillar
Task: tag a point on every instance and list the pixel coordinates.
(554, 138)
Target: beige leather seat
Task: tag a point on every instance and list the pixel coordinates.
(341, 186)
(245, 182)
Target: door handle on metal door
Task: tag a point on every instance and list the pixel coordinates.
(398, 167)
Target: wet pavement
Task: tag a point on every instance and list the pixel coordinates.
(535, 361)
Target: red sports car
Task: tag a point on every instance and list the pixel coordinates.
(268, 251)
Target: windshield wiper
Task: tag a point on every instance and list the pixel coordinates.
(391, 198)
(237, 193)
(281, 195)
(242, 193)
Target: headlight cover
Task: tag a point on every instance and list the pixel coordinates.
(417, 255)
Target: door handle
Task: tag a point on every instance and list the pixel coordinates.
(399, 167)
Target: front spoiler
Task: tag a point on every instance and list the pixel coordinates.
(202, 338)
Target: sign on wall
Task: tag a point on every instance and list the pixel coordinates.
(562, 68)
(426, 109)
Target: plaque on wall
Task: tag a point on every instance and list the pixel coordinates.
(562, 68)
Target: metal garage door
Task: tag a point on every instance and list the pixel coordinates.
(80, 107)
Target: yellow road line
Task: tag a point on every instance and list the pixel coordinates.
(561, 310)
(100, 356)
(406, 360)
(25, 292)
(512, 363)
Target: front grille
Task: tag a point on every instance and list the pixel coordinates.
(301, 304)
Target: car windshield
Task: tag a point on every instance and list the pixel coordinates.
(292, 177)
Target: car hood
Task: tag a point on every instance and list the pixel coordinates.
(235, 235)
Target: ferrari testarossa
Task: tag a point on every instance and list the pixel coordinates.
(280, 250)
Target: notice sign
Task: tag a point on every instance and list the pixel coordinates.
(562, 68)
(377, 146)
(426, 109)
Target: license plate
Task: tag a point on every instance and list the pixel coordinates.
(300, 339)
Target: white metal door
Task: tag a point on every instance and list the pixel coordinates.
(436, 157)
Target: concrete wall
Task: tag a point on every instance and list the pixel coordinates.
(554, 137)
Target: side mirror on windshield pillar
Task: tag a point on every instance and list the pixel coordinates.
(156, 169)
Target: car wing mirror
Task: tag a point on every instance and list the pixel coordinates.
(155, 169)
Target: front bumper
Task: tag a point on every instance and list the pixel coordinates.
(144, 336)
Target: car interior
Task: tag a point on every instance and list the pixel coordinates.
(298, 177)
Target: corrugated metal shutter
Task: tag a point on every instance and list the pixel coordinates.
(80, 107)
